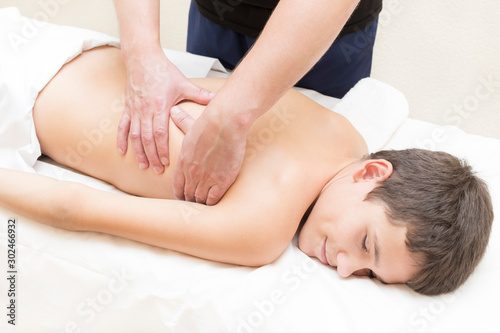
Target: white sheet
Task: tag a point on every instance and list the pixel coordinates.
(32, 52)
(88, 282)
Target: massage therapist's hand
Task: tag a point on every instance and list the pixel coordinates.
(154, 85)
(211, 155)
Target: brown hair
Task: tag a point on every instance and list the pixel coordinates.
(447, 211)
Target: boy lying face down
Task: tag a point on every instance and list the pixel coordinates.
(413, 216)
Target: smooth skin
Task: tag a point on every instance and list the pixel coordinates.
(292, 166)
(283, 53)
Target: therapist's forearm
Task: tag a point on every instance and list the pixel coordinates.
(139, 25)
(294, 39)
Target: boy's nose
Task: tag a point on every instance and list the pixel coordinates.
(347, 265)
(344, 265)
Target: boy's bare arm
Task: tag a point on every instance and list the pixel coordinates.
(232, 232)
(37, 197)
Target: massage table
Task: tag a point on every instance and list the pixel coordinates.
(90, 282)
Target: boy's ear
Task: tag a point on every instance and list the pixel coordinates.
(377, 170)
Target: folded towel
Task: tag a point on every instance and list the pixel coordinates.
(375, 109)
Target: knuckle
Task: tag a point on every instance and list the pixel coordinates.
(222, 179)
(162, 150)
(141, 158)
(180, 123)
(179, 117)
(160, 104)
(189, 189)
(134, 136)
(144, 109)
(192, 170)
(178, 187)
(189, 196)
(160, 131)
(180, 163)
(126, 115)
(198, 91)
(200, 198)
(122, 127)
(147, 138)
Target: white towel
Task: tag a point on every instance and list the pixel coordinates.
(31, 53)
(375, 109)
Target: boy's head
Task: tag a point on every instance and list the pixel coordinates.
(412, 216)
(446, 209)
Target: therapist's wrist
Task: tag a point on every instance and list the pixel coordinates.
(136, 50)
(234, 110)
(231, 117)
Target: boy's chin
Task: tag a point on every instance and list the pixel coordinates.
(302, 244)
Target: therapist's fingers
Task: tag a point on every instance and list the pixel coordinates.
(161, 131)
(197, 94)
(189, 188)
(123, 130)
(178, 185)
(190, 183)
(201, 192)
(214, 195)
(181, 119)
(149, 144)
(190, 191)
(185, 183)
(136, 143)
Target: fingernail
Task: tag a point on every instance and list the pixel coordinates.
(164, 161)
(120, 150)
(143, 166)
(175, 110)
(211, 95)
(158, 170)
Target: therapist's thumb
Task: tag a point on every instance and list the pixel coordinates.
(199, 95)
(181, 119)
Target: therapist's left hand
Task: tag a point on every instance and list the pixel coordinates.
(211, 155)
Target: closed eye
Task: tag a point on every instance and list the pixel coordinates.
(363, 243)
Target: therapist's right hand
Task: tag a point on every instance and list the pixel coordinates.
(153, 86)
